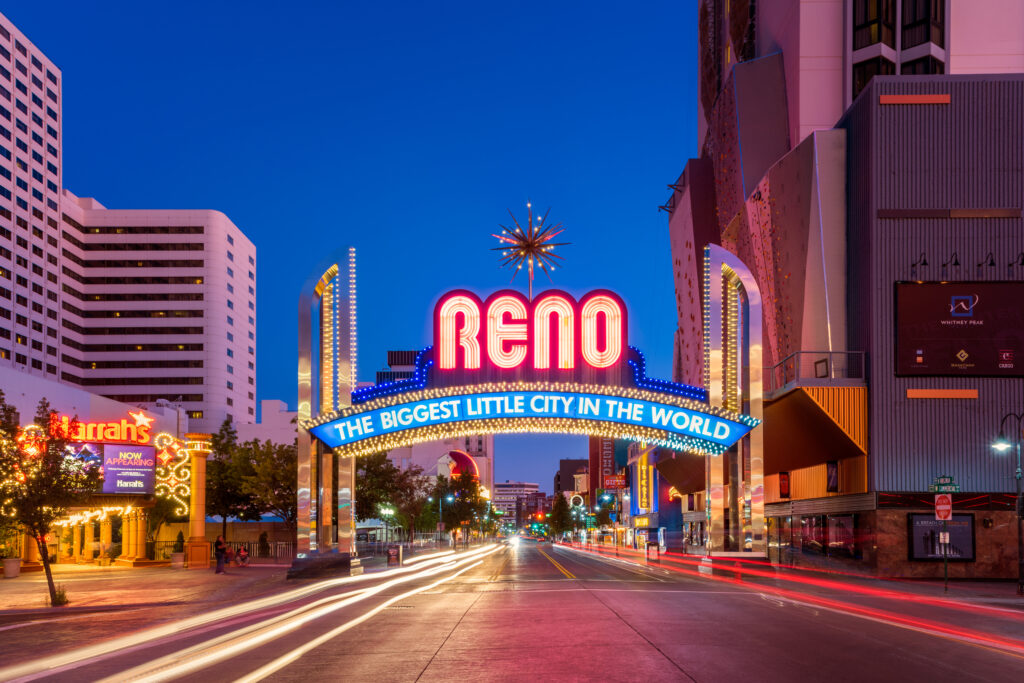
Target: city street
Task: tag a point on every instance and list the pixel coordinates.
(541, 611)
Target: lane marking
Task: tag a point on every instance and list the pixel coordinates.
(559, 567)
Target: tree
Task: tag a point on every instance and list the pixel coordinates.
(376, 484)
(161, 513)
(272, 481)
(40, 481)
(8, 417)
(561, 517)
(225, 473)
(412, 490)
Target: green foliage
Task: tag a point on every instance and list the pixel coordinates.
(114, 551)
(270, 478)
(161, 513)
(560, 520)
(376, 484)
(225, 475)
(43, 413)
(179, 543)
(8, 417)
(59, 597)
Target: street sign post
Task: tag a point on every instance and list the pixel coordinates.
(944, 487)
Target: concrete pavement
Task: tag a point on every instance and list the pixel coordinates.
(543, 612)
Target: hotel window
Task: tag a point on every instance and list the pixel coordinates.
(864, 71)
(231, 337)
(231, 321)
(231, 385)
(251, 366)
(231, 240)
(230, 402)
(231, 371)
(251, 320)
(37, 364)
(252, 336)
(251, 411)
(252, 292)
(231, 257)
(195, 414)
(252, 306)
(873, 22)
(252, 261)
(923, 21)
(251, 351)
(231, 289)
(231, 304)
(231, 354)
(231, 273)
(251, 275)
(20, 358)
(252, 381)
(925, 65)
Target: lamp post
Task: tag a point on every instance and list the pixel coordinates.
(386, 513)
(440, 518)
(1001, 445)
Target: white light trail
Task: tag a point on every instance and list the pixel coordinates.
(232, 644)
(118, 647)
(287, 659)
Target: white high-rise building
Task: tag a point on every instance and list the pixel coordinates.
(134, 305)
(508, 492)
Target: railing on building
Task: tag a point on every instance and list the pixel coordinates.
(815, 368)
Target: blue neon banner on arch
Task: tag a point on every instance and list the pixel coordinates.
(674, 420)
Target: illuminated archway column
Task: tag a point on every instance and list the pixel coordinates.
(326, 377)
(106, 535)
(141, 524)
(30, 554)
(197, 549)
(88, 539)
(732, 374)
(128, 536)
(76, 542)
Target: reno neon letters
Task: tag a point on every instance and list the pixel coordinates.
(508, 332)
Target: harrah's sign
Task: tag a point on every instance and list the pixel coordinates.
(553, 338)
(134, 431)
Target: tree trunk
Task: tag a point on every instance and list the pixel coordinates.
(224, 527)
(44, 554)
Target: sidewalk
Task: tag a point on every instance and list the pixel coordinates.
(91, 588)
(97, 589)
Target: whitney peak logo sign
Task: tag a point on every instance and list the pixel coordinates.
(135, 431)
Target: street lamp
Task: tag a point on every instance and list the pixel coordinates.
(1002, 445)
(386, 513)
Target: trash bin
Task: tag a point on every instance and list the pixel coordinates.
(652, 551)
(394, 556)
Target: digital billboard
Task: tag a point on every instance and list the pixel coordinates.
(960, 329)
(128, 468)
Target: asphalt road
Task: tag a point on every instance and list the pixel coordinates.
(543, 612)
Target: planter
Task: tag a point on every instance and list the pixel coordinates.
(177, 560)
(12, 567)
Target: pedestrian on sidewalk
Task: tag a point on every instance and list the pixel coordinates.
(219, 551)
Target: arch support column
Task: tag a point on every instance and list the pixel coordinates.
(197, 549)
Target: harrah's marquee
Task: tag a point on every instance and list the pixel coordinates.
(553, 364)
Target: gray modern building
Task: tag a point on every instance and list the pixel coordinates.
(881, 218)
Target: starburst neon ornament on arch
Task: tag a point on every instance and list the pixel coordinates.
(531, 246)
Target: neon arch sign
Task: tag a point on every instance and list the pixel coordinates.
(506, 364)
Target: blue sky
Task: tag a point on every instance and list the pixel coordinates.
(406, 129)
